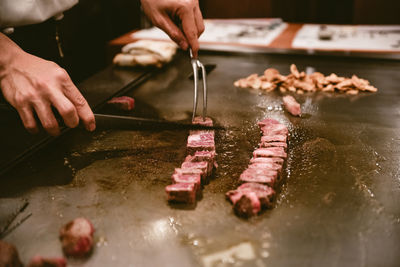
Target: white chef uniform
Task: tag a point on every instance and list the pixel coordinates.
(14, 13)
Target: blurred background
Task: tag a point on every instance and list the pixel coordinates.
(92, 23)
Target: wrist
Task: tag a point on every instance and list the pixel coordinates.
(9, 51)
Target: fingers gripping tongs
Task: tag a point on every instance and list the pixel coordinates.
(196, 65)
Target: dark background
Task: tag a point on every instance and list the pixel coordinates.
(88, 26)
(310, 11)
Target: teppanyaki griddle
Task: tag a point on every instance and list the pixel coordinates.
(337, 207)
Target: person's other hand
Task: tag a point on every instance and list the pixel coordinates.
(171, 15)
(31, 84)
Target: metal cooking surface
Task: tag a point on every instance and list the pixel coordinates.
(339, 206)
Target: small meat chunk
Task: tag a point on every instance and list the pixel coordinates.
(274, 138)
(77, 238)
(260, 179)
(264, 193)
(270, 152)
(274, 144)
(195, 171)
(259, 176)
(9, 255)
(258, 171)
(291, 105)
(200, 141)
(201, 165)
(208, 156)
(248, 205)
(267, 160)
(267, 122)
(181, 193)
(266, 166)
(275, 129)
(187, 179)
(123, 102)
(206, 122)
(39, 261)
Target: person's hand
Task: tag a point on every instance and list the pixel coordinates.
(169, 15)
(31, 84)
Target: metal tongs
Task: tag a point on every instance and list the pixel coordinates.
(196, 64)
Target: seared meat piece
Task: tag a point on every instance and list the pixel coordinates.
(9, 255)
(267, 177)
(38, 261)
(77, 238)
(274, 144)
(201, 165)
(202, 174)
(187, 179)
(258, 178)
(267, 160)
(200, 141)
(275, 129)
(274, 138)
(248, 205)
(182, 192)
(199, 120)
(266, 166)
(207, 136)
(254, 171)
(123, 102)
(270, 152)
(264, 193)
(291, 105)
(268, 122)
(208, 156)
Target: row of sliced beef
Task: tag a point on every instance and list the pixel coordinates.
(264, 173)
(196, 169)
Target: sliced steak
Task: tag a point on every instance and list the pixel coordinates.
(9, 255)
(291, 105)
(77, 238)
(181, 192)
(270, 152)
(123, 102)
(39, 261)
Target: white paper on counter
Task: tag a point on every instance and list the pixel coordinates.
(357, 37)
(259, 32)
